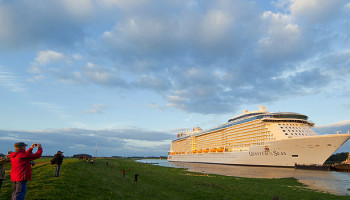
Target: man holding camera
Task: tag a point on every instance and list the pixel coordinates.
(21, 171)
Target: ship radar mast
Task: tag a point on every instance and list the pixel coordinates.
(262, 108)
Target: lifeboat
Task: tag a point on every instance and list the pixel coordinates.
(199, 151)
(213, 149)
(221, 149)
(172, 153)
(194, 151)
(206, 150)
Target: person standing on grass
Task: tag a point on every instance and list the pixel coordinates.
(21, 171)
(57, 161)
(2, 169)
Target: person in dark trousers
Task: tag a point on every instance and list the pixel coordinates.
(2, 168)
(57, 161)
(21, 171)
(136, 175)
(123, 173)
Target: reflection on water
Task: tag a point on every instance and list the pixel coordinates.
(330, 181)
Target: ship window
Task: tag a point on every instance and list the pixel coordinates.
(284, 130)
(286, 133)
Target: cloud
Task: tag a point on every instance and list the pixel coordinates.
(340, 124)
(97, 108)
(35, 78)
(56, 110)
(10, 81)
(121, 142)
(153, 83)
(316, 11)
(103, 76)
(46, 57)
(156, 106)
(206, 57)
(53, 22)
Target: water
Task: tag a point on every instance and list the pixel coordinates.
(328, 181)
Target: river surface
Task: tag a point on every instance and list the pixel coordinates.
(328, 181)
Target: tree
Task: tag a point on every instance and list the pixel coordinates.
(337, 158)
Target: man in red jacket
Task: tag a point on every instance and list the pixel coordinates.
(21, 171)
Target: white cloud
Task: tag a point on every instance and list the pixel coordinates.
(78, 56)
(10, 81)
(56, 110)
(315, 11)
(46, 57)
(124, 4)
(79, 8)
(155, 106)
(97, 108)
(283, 38)
(7, 25)
(334, 125)
(100, 74)
(36, 78)
(347, 6)
(215, 25)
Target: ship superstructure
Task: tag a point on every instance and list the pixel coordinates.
(257, 138)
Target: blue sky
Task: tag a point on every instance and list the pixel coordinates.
(128, 75)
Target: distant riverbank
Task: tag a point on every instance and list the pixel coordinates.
(104, 180)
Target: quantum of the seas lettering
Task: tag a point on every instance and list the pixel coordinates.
(267, 153)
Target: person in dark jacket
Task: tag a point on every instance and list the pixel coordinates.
(2, 169)
(57, 161)
(21, 171)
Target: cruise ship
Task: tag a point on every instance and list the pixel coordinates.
(259, 138)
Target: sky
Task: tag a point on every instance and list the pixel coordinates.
(122, 78)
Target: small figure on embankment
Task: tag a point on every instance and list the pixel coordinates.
(136, 175)
(2, 168)
(21, 170)
(57, 161)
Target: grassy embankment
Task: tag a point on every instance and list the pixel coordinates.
(81, 180)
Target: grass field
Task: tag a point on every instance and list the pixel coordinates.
(81, 180)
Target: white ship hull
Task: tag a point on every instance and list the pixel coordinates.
(312, 150)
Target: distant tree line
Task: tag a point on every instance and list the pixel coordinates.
(82, 155)
(337, 158)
